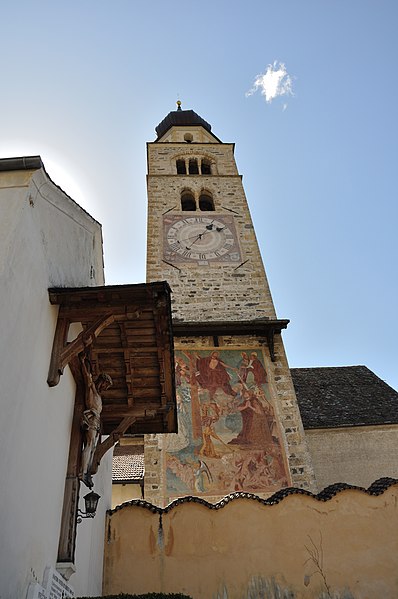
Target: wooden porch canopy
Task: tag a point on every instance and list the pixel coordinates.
(127, 333)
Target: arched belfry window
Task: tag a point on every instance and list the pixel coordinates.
(188, 201)
(181, 167)
(206, 167)
(206, 202)
(193, 167)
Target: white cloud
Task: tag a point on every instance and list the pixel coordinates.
(273, 83)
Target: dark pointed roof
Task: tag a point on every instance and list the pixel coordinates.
(333, 397)
(180, 118)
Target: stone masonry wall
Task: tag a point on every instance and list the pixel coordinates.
(223, 292)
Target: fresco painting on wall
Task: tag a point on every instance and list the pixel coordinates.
(228, 437)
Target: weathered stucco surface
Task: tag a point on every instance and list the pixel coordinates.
(126, 492)
(354, 455)
(300, 548)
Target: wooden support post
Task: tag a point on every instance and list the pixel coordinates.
(67, 537)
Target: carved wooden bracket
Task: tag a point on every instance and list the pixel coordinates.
(110, 441)
(64, 352)
(270, 342)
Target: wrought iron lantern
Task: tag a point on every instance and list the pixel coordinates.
(91, 502)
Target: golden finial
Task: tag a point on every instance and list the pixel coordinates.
(178, 104)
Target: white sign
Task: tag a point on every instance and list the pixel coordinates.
(56, 586)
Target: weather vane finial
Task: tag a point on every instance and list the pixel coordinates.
(178, 104)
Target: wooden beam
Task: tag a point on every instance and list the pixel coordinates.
(63, 352)
(67, 537)
(110, 441)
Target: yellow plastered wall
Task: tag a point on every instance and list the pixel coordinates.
(345, 547)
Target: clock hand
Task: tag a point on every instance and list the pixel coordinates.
(198, 237)
(194, 241)
(193, 236)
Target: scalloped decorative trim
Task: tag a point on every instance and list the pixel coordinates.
(376, 488)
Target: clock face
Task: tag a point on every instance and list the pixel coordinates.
(200, 239)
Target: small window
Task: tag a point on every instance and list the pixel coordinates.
(188, 137)
(206, 202)
(181, 167)
(206, 167)
(187, 201)
(193, 167)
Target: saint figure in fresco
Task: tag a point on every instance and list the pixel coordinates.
(256, 370)
(243, 366)
(256, 430)
(212, 374)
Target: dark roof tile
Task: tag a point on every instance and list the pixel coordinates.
(332, 397)
(181, 118)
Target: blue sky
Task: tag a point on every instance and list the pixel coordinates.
(84, 83)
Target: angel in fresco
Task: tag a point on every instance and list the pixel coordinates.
(212, 374)
(91, 418)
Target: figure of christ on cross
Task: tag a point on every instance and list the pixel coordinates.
(91, 418)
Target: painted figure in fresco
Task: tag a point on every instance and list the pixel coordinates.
(212, 374)
(210, 415)
(243, 366)
(181, 371)
(256, 371)
(261, 395)
(256, 430)
(91, 418)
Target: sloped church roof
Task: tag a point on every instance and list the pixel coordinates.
(343, 396)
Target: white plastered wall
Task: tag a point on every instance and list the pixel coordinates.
(46, 240)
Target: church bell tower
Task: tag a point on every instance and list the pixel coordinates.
(239, 423)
